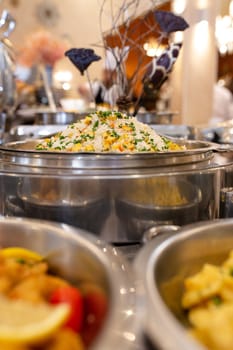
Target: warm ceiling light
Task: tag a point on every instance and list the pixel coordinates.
(152, 48)
(224, 32)
(63, 76)
(179, 6)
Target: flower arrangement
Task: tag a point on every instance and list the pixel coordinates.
(41, 47)
(152, 74)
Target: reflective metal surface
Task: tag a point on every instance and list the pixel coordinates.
(222, 133)
(78, 255)
(58, 117)
(90, 191)
(179, 131)
(84, 204)
(168, 201)
(8, 93)
(23, 132)
(161, 267)
(226, 202)
(25, 151)
(156, 117)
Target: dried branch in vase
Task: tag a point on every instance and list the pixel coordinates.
(124, 39)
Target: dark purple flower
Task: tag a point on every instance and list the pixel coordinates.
(82, 58)
(169, 22)
(161, 66)
(157, 76)
(164, 60)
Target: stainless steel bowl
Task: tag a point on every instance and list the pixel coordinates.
(154, 117)
(45, 116)
(78, 255)
(23, 132)
(165, 200)
(161, 267)
(84, 205)
(222, 133)
(179, 131)
(59, 117)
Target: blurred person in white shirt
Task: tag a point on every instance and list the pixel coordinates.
(222, 104)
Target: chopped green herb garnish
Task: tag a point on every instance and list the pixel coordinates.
(95, 126)
(21, 261)
(217, 300)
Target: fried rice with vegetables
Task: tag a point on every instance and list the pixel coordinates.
(108, 131)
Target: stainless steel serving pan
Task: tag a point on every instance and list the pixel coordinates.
(25, 153)
(58, 117)
(25, 174)
(221, 134)
(158, 201)
(161, 267)
(153, 117)
(179, 131)
(79, 256)
(84, 204)
(23, 132)
(44, 116)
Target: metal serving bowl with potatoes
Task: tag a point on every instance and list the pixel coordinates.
(169, 259)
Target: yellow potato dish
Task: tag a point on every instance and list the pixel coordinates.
(208, 299)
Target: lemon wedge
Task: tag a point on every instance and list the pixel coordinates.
(20, 253)
(24, 322)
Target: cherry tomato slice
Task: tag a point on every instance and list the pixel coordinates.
(95, 309)
(73, 297)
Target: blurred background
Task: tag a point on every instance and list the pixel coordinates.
(205, 59)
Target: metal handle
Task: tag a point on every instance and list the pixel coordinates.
(155, 231)
(222, 148)
(226, 202)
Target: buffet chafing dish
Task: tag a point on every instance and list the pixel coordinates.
(161, 267)
(221, 134)
(196, 152)
(107, 181)
(45, 116)
(58, 117)
(187, 132)
(76, 255)
(155, 117)
(175, 202)
(81, 204)
(23, 132)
